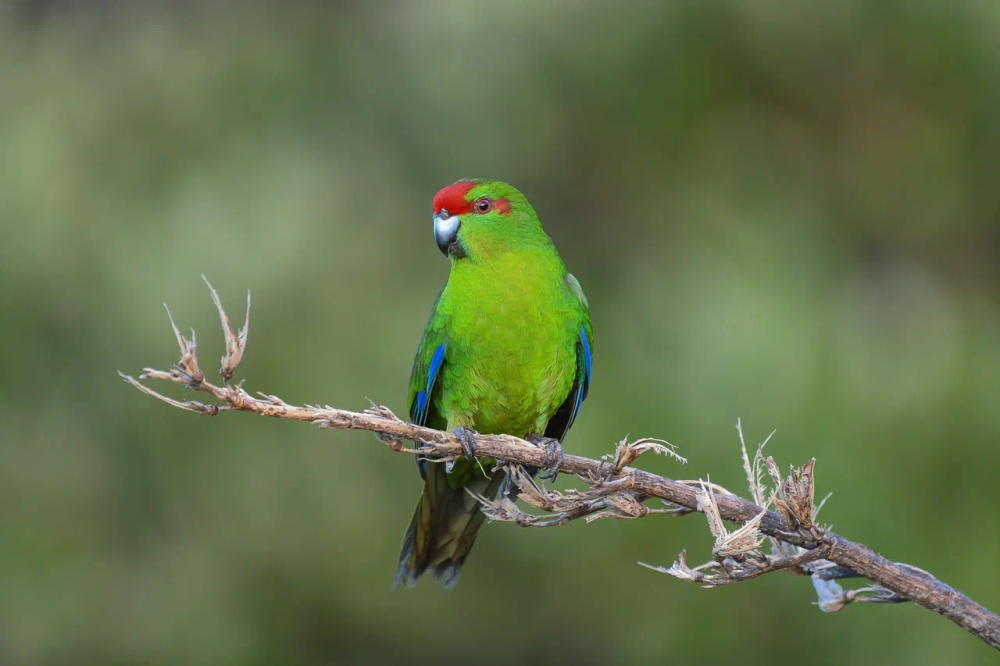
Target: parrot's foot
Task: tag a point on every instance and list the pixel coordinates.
(467, 438)
(554, 455)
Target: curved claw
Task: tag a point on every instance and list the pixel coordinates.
(554, 455)
(467, 438)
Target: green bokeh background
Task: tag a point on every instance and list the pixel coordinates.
(785, 212)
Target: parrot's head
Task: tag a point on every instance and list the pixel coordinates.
(479, 218)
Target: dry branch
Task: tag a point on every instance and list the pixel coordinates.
(798, 543)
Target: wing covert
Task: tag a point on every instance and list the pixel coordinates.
(564, 417)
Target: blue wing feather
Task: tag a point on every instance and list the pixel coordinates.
(419, 415)
(564, 417)
(583, 383)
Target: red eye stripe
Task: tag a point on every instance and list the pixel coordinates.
(452, 198)
(502, 206)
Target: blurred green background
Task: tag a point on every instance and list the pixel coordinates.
(781, 212)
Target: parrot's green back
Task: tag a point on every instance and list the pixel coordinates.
(507, 349)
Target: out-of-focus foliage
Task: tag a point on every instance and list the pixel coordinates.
(781, 211)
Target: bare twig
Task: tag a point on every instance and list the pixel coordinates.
(235, 342)
(833, 598)
(617, 490)
(728, 571)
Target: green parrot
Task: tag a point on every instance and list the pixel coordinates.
(507, 349)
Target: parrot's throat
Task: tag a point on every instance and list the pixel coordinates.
(506, 279)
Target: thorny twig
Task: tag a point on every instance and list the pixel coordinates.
(798, 543)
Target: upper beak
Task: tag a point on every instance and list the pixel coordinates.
(446, 230)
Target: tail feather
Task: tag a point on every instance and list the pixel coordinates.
(443, 529)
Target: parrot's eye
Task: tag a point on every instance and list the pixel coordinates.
(484, 205)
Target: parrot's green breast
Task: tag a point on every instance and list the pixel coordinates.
(511, 344)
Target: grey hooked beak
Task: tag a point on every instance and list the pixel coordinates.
(446, 232)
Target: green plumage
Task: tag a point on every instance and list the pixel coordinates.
(509, 322)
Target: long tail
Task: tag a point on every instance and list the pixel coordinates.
(443, 528)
